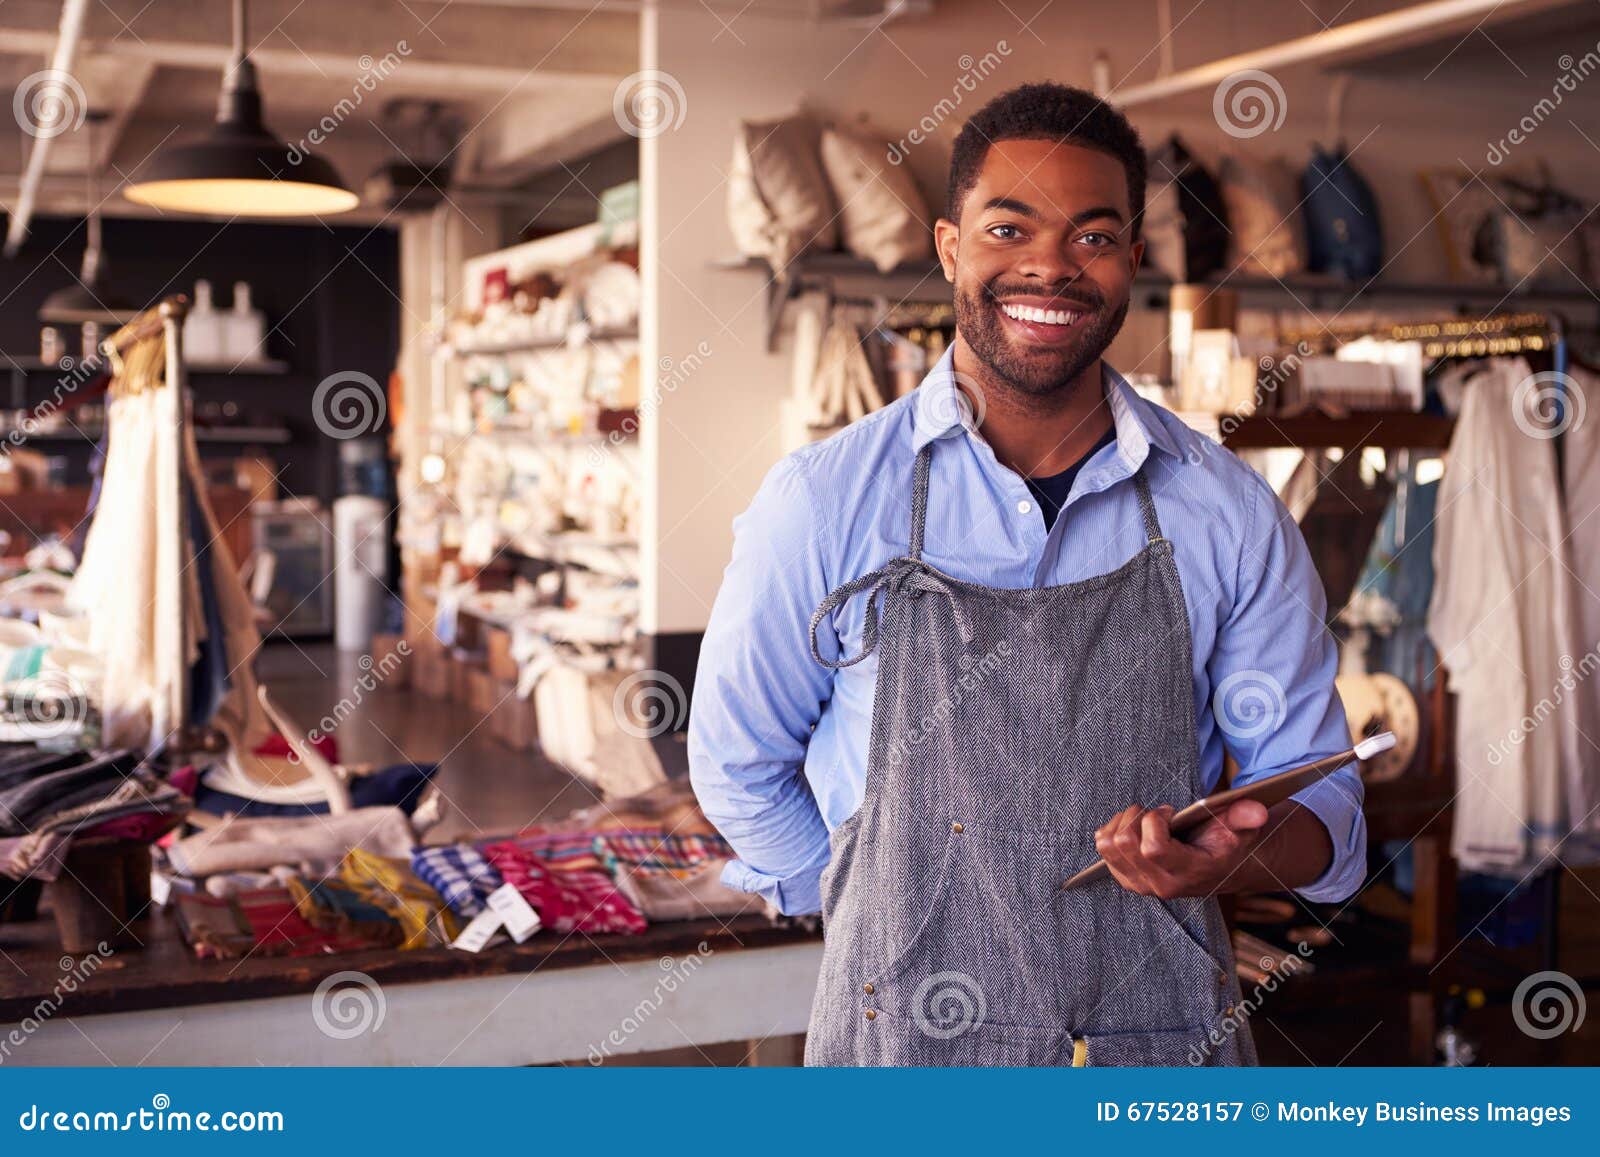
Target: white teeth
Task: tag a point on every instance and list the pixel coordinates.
(1039, 316)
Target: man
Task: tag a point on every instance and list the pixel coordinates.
(1005, 626)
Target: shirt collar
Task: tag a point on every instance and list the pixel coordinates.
(943, 411)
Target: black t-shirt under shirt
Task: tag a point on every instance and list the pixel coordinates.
(1051, 493)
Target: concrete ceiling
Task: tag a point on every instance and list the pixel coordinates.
(530, 85)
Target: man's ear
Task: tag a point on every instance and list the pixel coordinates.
(1135, 257)
(946, 239)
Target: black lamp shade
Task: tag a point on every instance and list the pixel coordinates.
(239, 169)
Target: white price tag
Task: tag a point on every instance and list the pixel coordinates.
(520, 918)
(477, 933)
(160, 889)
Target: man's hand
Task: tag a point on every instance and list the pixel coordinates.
(1246, 849)
(1145, 857)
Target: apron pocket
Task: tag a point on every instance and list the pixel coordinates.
(898, 1040)
(1182, 1047)
(929, 914)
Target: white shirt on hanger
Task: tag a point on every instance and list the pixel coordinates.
(1501, 617)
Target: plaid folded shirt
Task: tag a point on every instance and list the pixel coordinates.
(658, 849)
(567, 901)
(459, 873)
(564, 851)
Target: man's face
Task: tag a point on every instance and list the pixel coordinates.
(1042, 260)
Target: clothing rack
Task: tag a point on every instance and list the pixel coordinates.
(131, 347)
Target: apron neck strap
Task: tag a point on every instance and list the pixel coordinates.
(1147, 506)
(919, 499)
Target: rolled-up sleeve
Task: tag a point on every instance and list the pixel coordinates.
(1272, 678)
(758, 694)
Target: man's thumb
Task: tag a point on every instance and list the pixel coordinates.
(1246, 815)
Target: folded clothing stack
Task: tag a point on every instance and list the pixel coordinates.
(50, 799)
(361, 884)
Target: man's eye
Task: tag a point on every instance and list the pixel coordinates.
(1099, 239)
(1005, 232)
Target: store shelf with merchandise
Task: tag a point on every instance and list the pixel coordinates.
(522, 543)
(924, 281)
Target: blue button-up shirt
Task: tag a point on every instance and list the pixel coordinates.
(778, 743)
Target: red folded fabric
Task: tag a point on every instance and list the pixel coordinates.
(567, 901)
(275, 744)
(141, 828)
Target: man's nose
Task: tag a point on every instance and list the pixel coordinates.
(1050, 263)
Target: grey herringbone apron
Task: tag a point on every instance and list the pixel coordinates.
(1008, 725)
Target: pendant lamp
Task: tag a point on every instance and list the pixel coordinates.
(240, 169)
(92, 297)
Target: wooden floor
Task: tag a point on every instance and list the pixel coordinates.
(489, 788)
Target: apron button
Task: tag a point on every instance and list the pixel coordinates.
(1222, 979)
(868, 989)
(957, 828)
(871, 1015)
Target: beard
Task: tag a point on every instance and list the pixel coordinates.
(1037, 371)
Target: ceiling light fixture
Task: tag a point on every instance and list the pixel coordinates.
(240, 169)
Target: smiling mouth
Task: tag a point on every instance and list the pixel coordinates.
(1036, 316)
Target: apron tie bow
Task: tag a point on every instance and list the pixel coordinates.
(912, 575)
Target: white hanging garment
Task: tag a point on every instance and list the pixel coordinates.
(133, 566)
(1501, 618)
(1581, 478)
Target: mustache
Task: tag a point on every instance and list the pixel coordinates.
(1068, 297)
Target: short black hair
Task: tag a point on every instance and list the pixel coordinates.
(1047, 112)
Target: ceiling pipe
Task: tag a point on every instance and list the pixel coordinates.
(1391, 30)
(72, 15)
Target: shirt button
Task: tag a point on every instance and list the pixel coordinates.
(1024, 507)
(871, 1015)
(868, 989)
(957, 828)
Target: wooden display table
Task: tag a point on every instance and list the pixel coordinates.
(552, 999)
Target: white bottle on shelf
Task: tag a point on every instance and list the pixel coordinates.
(244, 330)
(202, 328)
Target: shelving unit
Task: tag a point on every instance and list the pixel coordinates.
(1398, 430)
(531, 345)
(922, 281)
(276, 435)
(32, 365)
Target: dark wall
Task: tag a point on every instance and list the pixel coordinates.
(329, 293)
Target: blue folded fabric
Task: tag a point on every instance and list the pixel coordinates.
(459, 873)
(399, 786)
